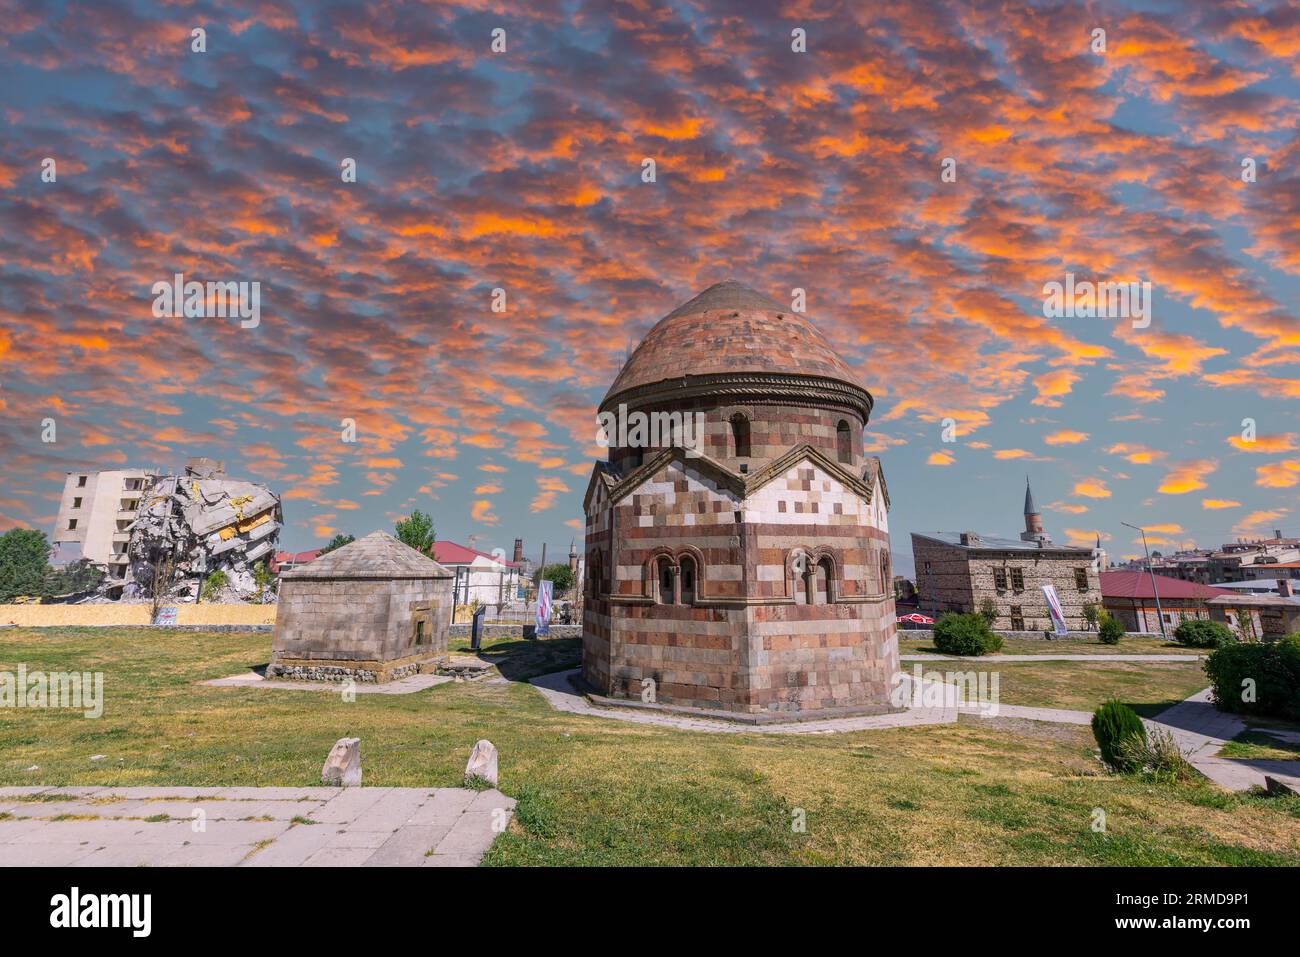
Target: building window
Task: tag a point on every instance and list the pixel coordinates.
(688, 580)
(884, 571)
(419, 631)
(664, 578)
(1017, 579)
(1081, 579)
(825, 573)
(844, 442)
(72, 523)
(76, 503)
(1000, 579)
(1017, 618)
(81, 481)
(740, 435)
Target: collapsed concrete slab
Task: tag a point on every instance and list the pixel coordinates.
(187, 528)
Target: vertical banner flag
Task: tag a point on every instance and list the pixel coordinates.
(544, 606)
(1054, 606)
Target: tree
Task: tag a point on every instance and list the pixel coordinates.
(338, 541)
(1111, 631)
(560, 574)
(989, 611)
(80, 576)
(1090, 614)
(417, 531)
(24, 563)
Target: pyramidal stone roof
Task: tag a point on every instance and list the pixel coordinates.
(377, 555)
(730, 328)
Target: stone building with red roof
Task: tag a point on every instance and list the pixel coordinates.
(750, 574)
(1131, 598)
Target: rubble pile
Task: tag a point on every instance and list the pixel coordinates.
(189, 527)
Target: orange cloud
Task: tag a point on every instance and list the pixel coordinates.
(1187, 476)
(1065, 437)
(1092, 488)
(1284, 442)
(1213, 503)
(1283, 474)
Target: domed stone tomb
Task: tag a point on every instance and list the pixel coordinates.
(743, 565)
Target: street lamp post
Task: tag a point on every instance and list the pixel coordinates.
(1154, 590)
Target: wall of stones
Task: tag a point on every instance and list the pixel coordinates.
(961, 579)
(358, 620)
(774, 430)
(748, 642)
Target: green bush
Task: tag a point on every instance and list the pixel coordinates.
(1257, 678)
(213, 584)
(1113, 724)
(956, 634)
(1202, 633)
(1110, 631)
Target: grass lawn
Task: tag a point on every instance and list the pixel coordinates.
(1149, 687)
(1256, 744)
(910, 644)
(597, 791)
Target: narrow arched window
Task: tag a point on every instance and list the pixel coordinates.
(740, 435)
(799, 572)
(823, 581)
(664, 579)
(844, 442)
(688, 580)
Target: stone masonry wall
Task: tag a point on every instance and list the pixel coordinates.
(960, 579)
(336, 622)
(748, 640)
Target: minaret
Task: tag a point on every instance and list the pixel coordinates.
(1033, 520)
(573, 557)
(1099, 556)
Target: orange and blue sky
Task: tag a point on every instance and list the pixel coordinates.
(521, 170)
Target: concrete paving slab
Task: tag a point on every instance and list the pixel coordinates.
(357, 838)
(340, 857)
(369, 825)
(292, 848)
(443, 806)
(408, 846)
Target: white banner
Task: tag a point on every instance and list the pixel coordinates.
(1054, 607)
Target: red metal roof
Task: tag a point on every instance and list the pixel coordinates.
(1138, 585)
(293, 558)
(449, 553)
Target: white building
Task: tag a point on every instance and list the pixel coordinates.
(490, 580)
(95, 513)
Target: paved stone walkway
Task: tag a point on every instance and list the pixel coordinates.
(981, 658)
(1201, 730)
(249, 827)
(255, 679)
(562, 696)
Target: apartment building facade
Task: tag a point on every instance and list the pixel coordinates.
(95, 513)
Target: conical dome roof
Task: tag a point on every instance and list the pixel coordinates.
(732, 330)
(377, 555)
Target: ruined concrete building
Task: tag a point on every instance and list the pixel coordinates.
(189, 526)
